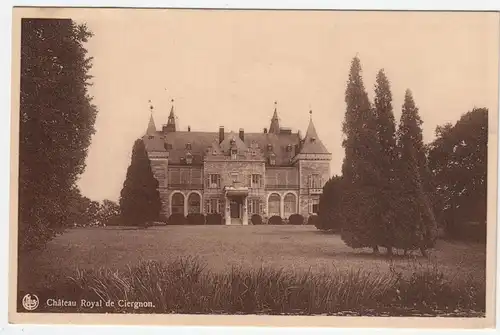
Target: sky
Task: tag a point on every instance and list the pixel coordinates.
(227, 68)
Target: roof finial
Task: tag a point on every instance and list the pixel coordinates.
(150, 106)
(310, 114)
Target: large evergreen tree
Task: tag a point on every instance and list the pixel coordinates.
(139, 199)
(55, 127)
(386, 134)
(361, 176)
(417, 227)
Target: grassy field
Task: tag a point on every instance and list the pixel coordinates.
(291, 248)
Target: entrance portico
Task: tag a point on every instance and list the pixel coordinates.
(236, 208)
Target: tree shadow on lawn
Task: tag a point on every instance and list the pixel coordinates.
(370, 255)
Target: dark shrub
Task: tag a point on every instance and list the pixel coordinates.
(275, 220)
(256, 219)
(313, 220)
(163, 218)
(296, 219)
(214, 219)
(177, 219)
(114, 220)
(196, 219)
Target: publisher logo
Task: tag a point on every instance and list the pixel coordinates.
(30, 302)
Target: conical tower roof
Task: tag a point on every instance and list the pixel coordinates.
(274, 128)
(312, 144)
(151, 125)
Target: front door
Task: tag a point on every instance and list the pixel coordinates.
(234, 206)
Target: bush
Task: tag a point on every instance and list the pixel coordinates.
(256, 219)
(177, 219)
(296, 219)
(214, 219)
(313, 220)
(163, 218)
(275, 220)
(196, 219)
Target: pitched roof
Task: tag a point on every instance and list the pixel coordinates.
(176, 143)
(274, 128)
(312, 144)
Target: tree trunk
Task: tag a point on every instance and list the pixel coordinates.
(375, 249)
(406, 252)
(389, 251)
(424, 252)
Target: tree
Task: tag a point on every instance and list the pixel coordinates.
(56, 124)
(329, 216)
(417, 227)
(139, 199)
(386, 161)
(458, 162)
(360, 174)
(108, 212)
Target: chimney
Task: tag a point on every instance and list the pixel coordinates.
(242, 134)
(265, 130)
(221, 134)
(189, 128)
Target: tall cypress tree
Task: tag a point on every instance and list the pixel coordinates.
(418, 228)
(139, 199)
(386, 134)
(360, 175)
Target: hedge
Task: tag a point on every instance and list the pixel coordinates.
(312, 220)
(214, 219)
(296, 219)
(196, 219)
(256, 219)
(177, 219)
(275, 220)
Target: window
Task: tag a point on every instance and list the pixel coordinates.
(177, 205)
(256, 181)
(194, 203)
(234, 177)
(315, 181)
(213, 181)
(234, 154)
(314, 206)
(290, 204)
(189, 158)
(168, 146)
(274, 204)
(188, 146)
(272, 159)
(254, 206)
(213, 206)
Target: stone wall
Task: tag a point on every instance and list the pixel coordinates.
(307, 197)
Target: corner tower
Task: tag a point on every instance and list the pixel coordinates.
(313, 160)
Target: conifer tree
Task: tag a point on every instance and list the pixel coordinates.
(329, 204)
(360, 175)
(139, 199)
(386, 134)
(417, 225)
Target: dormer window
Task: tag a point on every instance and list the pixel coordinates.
(269, 147)
(313, 139)
(188, 146)
(289, 148)
(151, 137)
(234, 153)
(272, 159)
(189, 158)
(168, 146)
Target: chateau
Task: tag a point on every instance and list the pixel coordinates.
(274, 172)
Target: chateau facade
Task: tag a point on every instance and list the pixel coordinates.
(275, 172)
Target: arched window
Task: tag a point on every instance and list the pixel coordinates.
(194, 203)
(274, 204)
(290, 204)
(177, 203)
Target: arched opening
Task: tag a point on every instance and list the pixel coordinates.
(177, 206)
(194, 203)
(290, 204)
(274, 204)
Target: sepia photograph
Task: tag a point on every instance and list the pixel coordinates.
(334, 165)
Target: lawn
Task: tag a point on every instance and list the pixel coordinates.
(292, 248)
